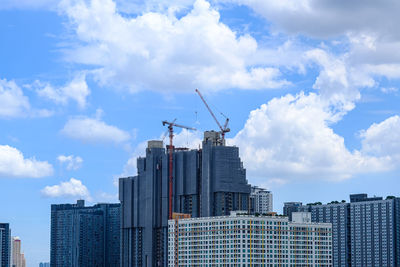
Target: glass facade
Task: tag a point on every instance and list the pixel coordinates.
(85, 236)
(5, 245)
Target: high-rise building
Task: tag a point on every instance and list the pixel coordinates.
(44, 264)
(248, 240)
(5, 245)
(260, 201)
(366, 231)
(85, 236)
(338, 214)
(375, 232)
(18, 258)
(207, 182)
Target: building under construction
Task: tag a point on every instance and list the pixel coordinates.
(207, 182)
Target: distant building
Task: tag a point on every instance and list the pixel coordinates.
(18, 258)
(5, 245)
(260, 200)
(206, 182)
(290, 207)
(248, 240)
(44, 264)
(366, 231)
(85, 236)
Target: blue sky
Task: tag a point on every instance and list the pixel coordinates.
(311, 88)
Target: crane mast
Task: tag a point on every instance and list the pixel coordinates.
(223, 129)
(171, 126)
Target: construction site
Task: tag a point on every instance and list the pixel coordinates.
(204, 182)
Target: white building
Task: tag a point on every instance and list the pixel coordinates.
(246, 240)
(18, 258)
(260, 200)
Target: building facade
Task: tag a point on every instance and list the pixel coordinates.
(339, 216)
(247, 240)
(85, 236)
(18, 258)
(290, 207)
(207, 182)
(261, 200)
(44, 264)
(5, 245)
(375, 232)
(366, 231)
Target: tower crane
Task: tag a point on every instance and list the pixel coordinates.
(223, 129)
(171, 126)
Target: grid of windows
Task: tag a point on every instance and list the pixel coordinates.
(242, 240)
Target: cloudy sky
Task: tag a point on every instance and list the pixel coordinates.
(311, 87)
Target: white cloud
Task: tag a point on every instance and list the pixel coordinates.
(389, 90)
(76, 90)
(289, 138)
(94, 130)
(383, 139)
(71, 189)
(13, 164)
(338, 82)
(73, 162)
(13, 102)
(161, 52)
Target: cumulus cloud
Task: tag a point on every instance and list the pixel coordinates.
(76, 90)
(94, 130)
(73, 188)
(383, 139)
(13, 164)
(159, 52)
(73, 162)
(290, 138)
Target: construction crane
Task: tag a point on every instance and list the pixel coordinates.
(171, 126)
(223, 129)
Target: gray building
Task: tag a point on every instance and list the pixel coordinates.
(290, 207)
(375, 232)
(207, 182)
(261, 200)
(85, 236)
(5, 245)
(366, 231)
(339, 216)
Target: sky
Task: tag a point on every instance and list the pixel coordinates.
(311, 87)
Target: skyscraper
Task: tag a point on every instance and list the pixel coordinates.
(260, 200)
(366, 231)
(44, 264)
(85, 236)
(5, 245)
(207, 182)
(339, 216)
(375, 232)
(18, 258)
